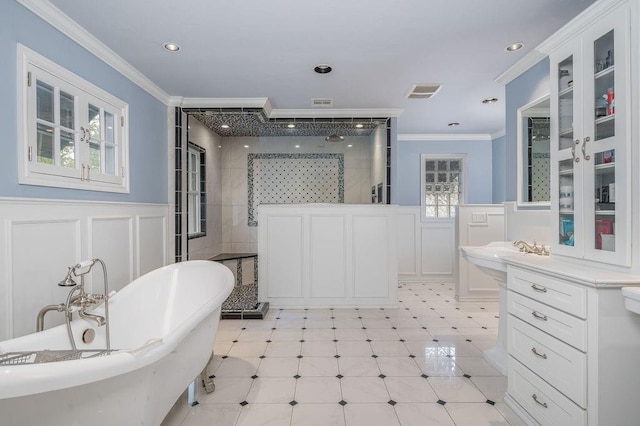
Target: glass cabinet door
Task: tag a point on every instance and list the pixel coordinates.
(590, 146)
(566, 203)
(604, 147)
(566, 121)
(605, 200)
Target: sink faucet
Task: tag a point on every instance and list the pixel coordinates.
(535, 248)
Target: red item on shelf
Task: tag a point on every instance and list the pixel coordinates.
(611, 102)
(604, 225)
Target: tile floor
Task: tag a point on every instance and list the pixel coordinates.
(420, 364)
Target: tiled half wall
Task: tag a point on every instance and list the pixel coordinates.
(293, 179)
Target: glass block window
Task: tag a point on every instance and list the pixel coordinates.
(442, 185)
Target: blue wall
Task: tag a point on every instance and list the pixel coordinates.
(529, 86)
(499, 161)
(147, 116)
(407, 166)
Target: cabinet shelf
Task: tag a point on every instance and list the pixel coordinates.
(566, 132)
(605, 119)
(565, 172)
(605, 166)
(604, 72)
(605, 212)
(565, 92)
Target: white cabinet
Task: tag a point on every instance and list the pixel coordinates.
(573, 347)
(590, 140)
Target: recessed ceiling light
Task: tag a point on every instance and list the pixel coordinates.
(246, 146)
(297, 146)
(359, 126)
(514, 46)
(171, 47)
(349, 146)
(291, 126)
(454, 124)
(490, 101)
(224, 126)
(323, 68)
(334, 138)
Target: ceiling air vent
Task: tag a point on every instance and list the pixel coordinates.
(322, 102)
(423, 91)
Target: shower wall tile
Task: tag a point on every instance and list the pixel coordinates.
(235, 190)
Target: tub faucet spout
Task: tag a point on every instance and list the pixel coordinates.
(98, 319)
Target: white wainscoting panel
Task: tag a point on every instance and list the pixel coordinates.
(39, 252)
(437, 248)
(477, 225)
(426, 249)
(370, 266)
(152, 253)
(327, 255)
(324, 255)
(284, 256)
(111, 241)
(39, 239)
(407, 243)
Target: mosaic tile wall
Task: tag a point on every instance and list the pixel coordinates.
(292, 179)
(178, 186)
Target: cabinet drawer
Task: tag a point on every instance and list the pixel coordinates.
(563, 367)
(557, 293)
(542, 401)
(562, 326)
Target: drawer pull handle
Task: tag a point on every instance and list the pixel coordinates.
(538, 288)
(539, 316)
(535, 398)
(536, 353)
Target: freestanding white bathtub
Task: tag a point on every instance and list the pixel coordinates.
(163, 328)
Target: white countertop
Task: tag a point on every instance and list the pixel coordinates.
(583, 272)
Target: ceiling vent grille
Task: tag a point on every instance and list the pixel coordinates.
(423, 91)
(321, 102)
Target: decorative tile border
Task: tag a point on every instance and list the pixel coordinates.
(286, 179)
(178, 187)
(255, 122)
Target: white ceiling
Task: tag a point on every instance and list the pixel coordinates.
(378, 49)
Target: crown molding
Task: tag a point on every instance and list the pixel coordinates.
(578, 24)
(271, 112)
(439, 137)
(498, 134)
(63, 23)
(335, 113)
(223, 102)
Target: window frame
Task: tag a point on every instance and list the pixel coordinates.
(33, 67)
(464, 189)
(200, 192)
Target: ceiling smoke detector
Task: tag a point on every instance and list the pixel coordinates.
(423, 91)
(334, 138)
